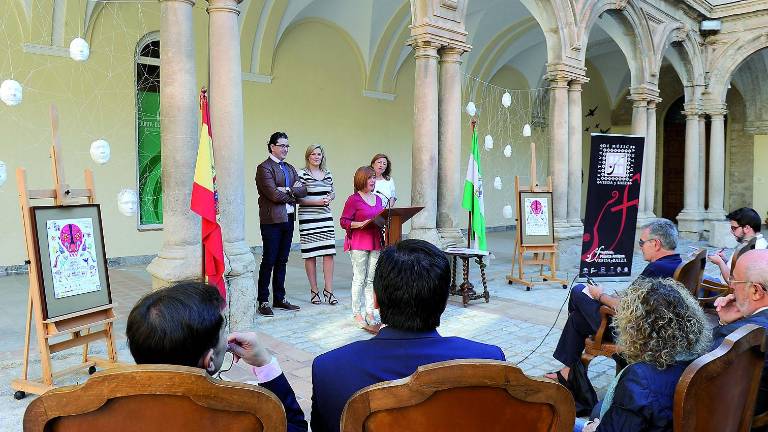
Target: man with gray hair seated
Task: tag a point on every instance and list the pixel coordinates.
(658, 241)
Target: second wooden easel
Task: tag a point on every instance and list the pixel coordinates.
(77, 325)
(543, 254)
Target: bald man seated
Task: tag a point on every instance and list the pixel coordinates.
(748, 304)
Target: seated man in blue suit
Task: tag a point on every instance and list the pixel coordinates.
(748, 304)
(411, 285)
(183, 325)
(658, 241)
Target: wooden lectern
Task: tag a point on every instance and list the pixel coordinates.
(392, 219)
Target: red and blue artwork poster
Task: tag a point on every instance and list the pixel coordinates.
(616, 163)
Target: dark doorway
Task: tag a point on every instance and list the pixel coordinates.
(673, 162)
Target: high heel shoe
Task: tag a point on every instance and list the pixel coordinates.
(329, 297)
(315, 299)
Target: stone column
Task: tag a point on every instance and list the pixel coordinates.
(179, 257)
(449, 170)
(717, 166)
(226, 105)
(702, 164)
(424, 152)
(649, 171)
(689, 219)
(639, 127)
(558, 155)
(575, 155)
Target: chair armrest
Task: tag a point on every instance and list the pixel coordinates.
(712, 290)
(605, 312)
(760, 420)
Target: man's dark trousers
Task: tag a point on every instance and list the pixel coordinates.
(277, 245)
(583, 320)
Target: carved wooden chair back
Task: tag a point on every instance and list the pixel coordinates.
(597, 346)
(155, 398)
(465, 395)
(746, 248)
(689, 273)
(717, 391)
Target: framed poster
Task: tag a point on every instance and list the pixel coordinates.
(70, 247)
(536, 226)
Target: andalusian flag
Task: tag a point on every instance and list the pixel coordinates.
(473, 195)
(205, 202)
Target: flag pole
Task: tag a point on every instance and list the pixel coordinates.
(203, 94)
(469, 223)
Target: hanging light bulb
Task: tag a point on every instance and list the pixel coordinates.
(488, 142)
(3, 173)
(507, 211)
(508, 151)
(471, 109)
(506, 100)
(497, 183)
(527, 130)
(10, 92)
(79, 50)
(127, 201)
(100, 151)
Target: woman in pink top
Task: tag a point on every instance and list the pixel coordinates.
(363, 243)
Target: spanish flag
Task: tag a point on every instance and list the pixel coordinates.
(205, 202)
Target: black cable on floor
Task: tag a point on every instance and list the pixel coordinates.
(553, 324)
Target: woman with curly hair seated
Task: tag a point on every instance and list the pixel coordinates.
(661, 329)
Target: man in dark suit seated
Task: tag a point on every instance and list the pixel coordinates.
(411, 286)
(748, 304)
(658, 241)
(183, 325)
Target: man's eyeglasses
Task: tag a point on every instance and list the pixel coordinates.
(223, 369)
(734, 228)
(282, 145)
(732, 282)
(641, 242)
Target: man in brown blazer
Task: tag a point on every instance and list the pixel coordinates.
(278, 184)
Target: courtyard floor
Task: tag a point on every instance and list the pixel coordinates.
(525, 324)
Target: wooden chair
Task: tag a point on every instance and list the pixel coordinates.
(688, 273)
(157, 398)
(717, 391)
(595, 345)
(715, 289)
(465, 395)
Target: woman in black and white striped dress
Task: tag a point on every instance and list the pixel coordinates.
(316, 227)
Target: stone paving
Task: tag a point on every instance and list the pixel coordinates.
(516, 320)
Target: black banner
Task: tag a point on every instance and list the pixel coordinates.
(613, 191)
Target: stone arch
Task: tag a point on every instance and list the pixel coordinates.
(250, 17)
(631, 23)
(687, 57)
(92, 12)
(487, 60)
(730, 60)
(345, 35)
(558, 24)
(265, 37)
(382, 71)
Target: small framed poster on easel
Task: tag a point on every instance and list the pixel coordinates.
(69, 292)
(535, 231)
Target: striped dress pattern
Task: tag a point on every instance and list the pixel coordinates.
(317, 232)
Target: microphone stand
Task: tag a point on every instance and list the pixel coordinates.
(388, 224)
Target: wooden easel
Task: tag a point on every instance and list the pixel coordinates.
(77, 325)
(543, 255)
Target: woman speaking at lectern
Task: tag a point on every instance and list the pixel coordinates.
(385, 186)
(363, 243)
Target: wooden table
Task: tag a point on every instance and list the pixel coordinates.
(466, 289)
